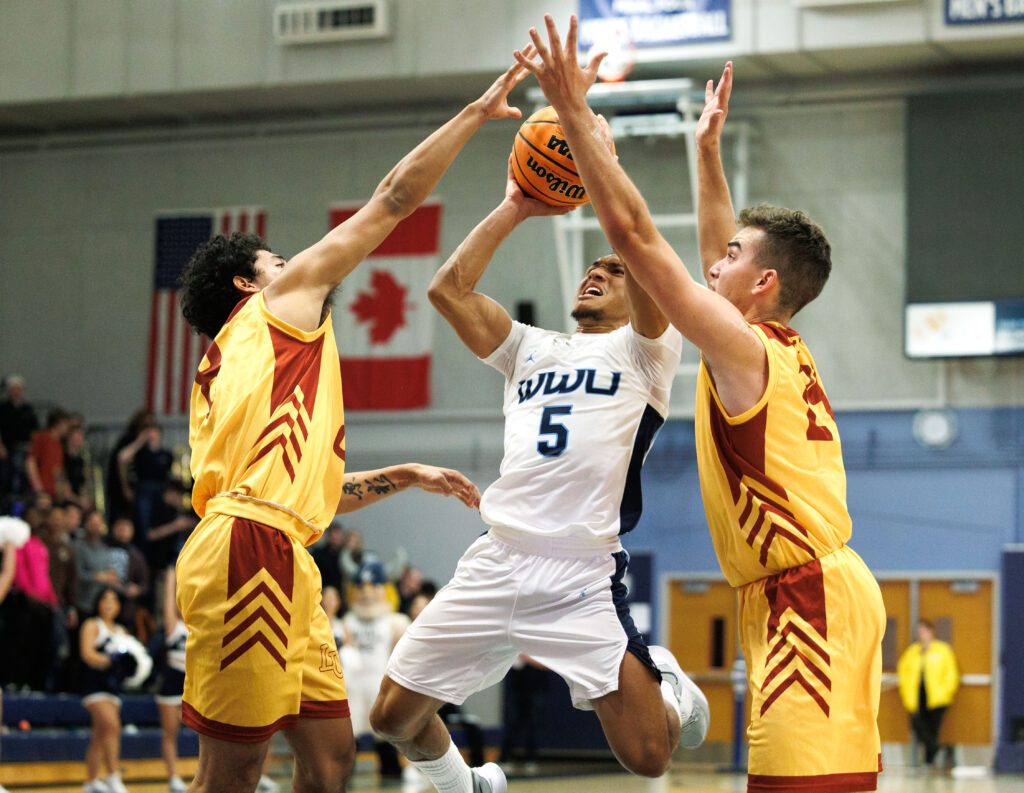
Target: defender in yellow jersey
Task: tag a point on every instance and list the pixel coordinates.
(267, 432)
(768, 449)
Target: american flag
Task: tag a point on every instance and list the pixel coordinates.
(174, 350)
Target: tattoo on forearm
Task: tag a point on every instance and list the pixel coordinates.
(380, 485)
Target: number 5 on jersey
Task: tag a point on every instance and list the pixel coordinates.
(558, 432)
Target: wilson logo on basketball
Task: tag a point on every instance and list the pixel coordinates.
(555, 183)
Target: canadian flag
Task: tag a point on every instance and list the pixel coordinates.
(382, 319)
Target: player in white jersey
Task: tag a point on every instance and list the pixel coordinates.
(581, 411)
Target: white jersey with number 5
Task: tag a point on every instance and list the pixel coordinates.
(581, 411)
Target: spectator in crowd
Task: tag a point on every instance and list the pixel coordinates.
(132, 579)
(118, 489)
(45, 463)
(173, 522)
(63, 575)
(352, 554)
(327, 555)
(928, 680)
(73, 520)
(92, 563)
(17, 424)
(62, 558)
(410, 582)
(42, 501)
(77, 467)
(146, 466)
(102, 677)
(31, 609)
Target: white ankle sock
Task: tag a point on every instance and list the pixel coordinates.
(449, 772)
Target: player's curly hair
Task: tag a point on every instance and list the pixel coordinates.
(796, 247)
(208, 293)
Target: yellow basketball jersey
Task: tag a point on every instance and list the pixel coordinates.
(267, 425)
(772, 478)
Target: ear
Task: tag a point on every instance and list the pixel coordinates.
(243, 284)
(768, 281)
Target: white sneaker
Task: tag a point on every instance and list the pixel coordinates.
(115, 784)
(267, 785)
(96, 786)
(176, 785)
(489, 778)
(694, 714)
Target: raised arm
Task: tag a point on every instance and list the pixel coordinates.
(711, 322)
(481, 322)
(363, 488)
(716, 218)
(645, 316)
(298, 294)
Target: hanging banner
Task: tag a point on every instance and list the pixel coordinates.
(979, 12)
(654, 23)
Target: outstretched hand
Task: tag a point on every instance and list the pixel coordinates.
(526, 206)
(558, 72)
(447, 482)
(716, 107)
(494, 101)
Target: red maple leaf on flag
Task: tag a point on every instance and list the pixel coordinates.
(384, 308)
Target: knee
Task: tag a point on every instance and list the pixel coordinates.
(388, 721)
(327, 774)
(651, 759)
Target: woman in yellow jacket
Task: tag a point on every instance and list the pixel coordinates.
(929, 678)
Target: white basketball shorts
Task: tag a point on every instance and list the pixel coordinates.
(564, 608)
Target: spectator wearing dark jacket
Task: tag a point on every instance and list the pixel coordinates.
(133, 578)
(17, 424)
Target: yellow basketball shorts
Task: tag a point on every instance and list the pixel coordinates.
(812, 638)
(260, 652)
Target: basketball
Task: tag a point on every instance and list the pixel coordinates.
(542, 163)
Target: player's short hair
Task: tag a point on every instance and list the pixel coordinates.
(208, 293)
(796, 247)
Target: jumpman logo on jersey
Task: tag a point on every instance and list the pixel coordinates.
(531, 358)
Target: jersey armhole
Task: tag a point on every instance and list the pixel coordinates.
(285, 327)
(515, 337)
(769, 389)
